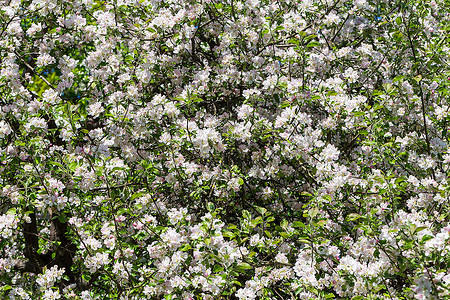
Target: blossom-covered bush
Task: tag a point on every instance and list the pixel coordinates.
(202, 149)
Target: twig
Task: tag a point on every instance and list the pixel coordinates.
(34, 71)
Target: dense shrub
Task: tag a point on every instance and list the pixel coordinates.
(201, 149)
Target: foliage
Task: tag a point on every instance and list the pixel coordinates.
(202, 149)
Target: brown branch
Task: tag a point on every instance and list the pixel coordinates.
(33, 70)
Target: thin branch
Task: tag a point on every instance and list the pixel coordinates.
(33, 70)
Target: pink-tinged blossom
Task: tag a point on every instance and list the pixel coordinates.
(36, 123)
(50, 96)
(304, 269)
(45, 59)
(5, 129)
(172, 238)
(189, 104)
(121, 269)
(34, 28)
(244, 111)
(330, 153)
(8, 224)
(51, 295)
(176, 215)
(423, 286)
(95, 109)
(246, 294)
(93, 263)
(14, 28)
(49, 277)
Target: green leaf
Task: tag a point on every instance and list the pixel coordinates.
(326, 197)
(398, 36)
(56, 164)
(270, 219)
(321, 223)
(228, 234)
(377, 106)
(261, 210)
(185, 247)
(240, 181)
(398, 78)
(298, 224)
(293, 41)
(399, 180)
(312, 44)
(6, 287)
(407, 245)
(246, 214)
(313, 212)
(136, 195)
(217, 268)
(284, 235)
(363, 132)
(242, 267)
(62, 218)
(420, 228)
(285, 104)
(306, 194)
(304, 239)
(256, 221)
(86, 277)
(352, 217)
(236, 282)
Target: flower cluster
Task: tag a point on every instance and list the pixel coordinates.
(257, 149)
